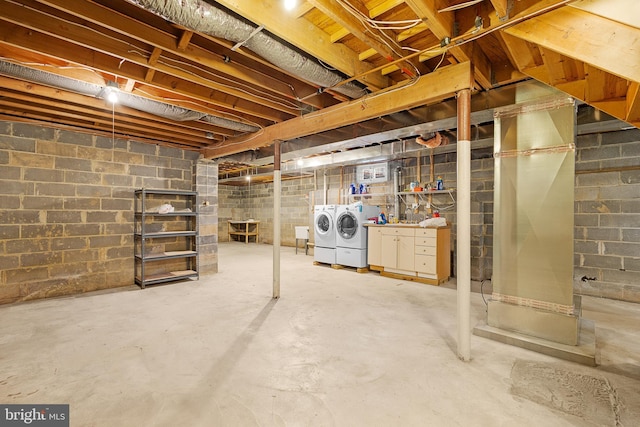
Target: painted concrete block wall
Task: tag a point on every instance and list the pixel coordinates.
(205, 177)
(607, 215)
(66, 207)
(607, 209)
(255, 201)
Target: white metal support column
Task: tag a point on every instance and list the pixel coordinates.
(277, 189)
(463, 218)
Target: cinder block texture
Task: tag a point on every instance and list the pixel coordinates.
(606, 216)
(66, 217)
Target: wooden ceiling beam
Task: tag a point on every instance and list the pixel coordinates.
(441, 25)
(341, 16)
(586, 37)
(301, 34)
(86, 38)
(57, 48)
(603, 86)
(501, 7)
(437, 86)
(131, 28)
(31, 92)
(60, 113)
(633, 104)
(384, 7)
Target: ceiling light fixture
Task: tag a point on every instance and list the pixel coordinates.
(290, 4)
(111, 92)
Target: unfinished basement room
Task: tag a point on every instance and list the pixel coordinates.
(370, 213)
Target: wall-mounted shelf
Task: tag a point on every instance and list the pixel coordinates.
(424, 195)
(165, 244)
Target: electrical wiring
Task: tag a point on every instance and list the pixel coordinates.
(441, 59)
(327, 66)
(391, 43)
(57, 67)
(482, 292)
(459, 40)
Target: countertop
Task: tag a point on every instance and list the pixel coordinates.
(403, 225)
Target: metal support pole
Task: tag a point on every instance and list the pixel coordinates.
(277, 190)
(463, 218)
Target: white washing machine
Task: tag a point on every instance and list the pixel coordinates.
(351, 234)
(324, 230)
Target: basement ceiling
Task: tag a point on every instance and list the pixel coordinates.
(229, 78)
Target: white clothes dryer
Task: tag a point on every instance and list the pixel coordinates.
(351, 234)
(324, 229)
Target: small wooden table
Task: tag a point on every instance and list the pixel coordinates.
(244, 228)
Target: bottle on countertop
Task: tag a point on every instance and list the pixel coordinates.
(439, 184)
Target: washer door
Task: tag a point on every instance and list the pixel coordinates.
(347, 225)
(323, 224)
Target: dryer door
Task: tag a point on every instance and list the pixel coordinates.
(347, 225)
(323, 224)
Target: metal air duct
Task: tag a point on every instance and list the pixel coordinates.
(140, 103)
(199, 16)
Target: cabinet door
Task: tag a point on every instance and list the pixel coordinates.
(374, 246)
(405, 251)
(389, 252)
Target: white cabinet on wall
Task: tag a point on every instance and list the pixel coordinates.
(410, 252)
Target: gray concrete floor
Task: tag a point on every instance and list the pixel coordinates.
(338, 348)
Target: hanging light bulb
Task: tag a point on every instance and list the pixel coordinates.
(290, 4)
(111, 92)
(112, 96)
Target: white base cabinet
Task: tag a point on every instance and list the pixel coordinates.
(412, 253)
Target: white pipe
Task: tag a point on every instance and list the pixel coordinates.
(325, 190)
(463, 259)
(396, 186)
(463, 230)
(277, 190)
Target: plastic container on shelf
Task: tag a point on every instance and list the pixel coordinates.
(439, 184)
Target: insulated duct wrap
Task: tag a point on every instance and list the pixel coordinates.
(229, 124)
(199, 16)
(48, 79)
(139, 103)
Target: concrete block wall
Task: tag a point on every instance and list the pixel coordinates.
(256, 201)
(205, 177)
(66, 207)
(607, 215)
(607, 209)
